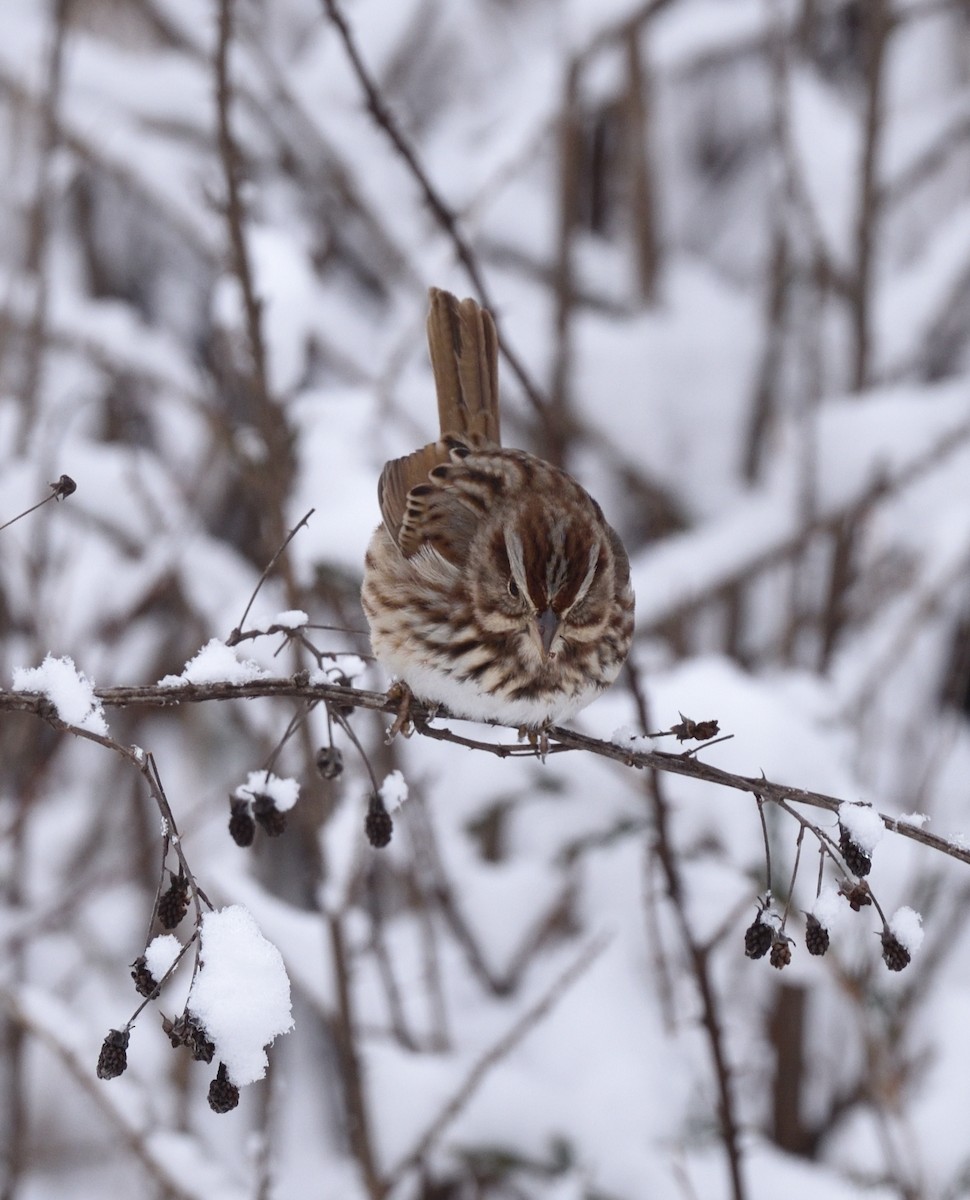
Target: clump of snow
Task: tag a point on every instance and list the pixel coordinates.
(627, 737)
(906, 925)
(863, 825)
(162, 951)
(336, 670)
(292, 618)
(284, 792)
(68, 689)
(216, 663)
(241, 995)
(769, 915)
(828, 910)
(393, 791)
(914, 818)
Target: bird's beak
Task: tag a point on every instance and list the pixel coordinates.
(547, 623)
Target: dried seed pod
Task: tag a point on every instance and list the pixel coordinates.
(113, 1059)
(378, 824)
(330, 762)
(687, 730)
(145, 984)
(186, 1030)
(780, 951)
(201, 1048)
(268, 816)
(64, 487)
(758, 938)
(857, 894)
(856, 859)
(223, 1095)
(174, 904)
(242, 827)
(894, 953)
(816, 936)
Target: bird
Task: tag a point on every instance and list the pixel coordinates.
(494, 586)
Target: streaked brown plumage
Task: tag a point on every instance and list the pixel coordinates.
(494, 585)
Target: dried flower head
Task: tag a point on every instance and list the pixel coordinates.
(378, 824)
(268, 816)
(856, 859)
(780, 951)
(113, 1059)
(758, 938)
(857, 893)
(145, 983)
(894, 953)
(174, 904)
(330, 762)
(816, 936)
(242, 827)
(687, 730)
(223, 1095)
(64, 487)
(185, 1030)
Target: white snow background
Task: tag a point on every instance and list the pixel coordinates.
(505, 992)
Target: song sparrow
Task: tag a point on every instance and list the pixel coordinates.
(494, 585)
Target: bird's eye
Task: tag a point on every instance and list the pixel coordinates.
(513, 589)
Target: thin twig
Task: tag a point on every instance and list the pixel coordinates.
(619, 31)
(496, 1053)
(270, 418)
(237, 635)
(64, 487)
(38, 229)
(885, 486)
(560, 740)
(764, 834)
(347, 1042)
(160, 983)
(830, 847)
(229, 155)
(131, 1130)
(348, 729)
(294, 724)
(877, 25)
(446, 217)
(699, 958)
(794, 876)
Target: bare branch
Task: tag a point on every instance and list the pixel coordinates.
(496, 1053)
(560, 739)
(237, 635)
(446, 217)
(47, 1023)
(878, 23)
(698, 956)
(38, 233)
(231, 168)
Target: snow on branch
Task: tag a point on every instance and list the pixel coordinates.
(426, 723)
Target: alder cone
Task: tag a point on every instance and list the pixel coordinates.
(494, 585)
(758, 938)
(113, 1059)
(817, 937)
(894, 953)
